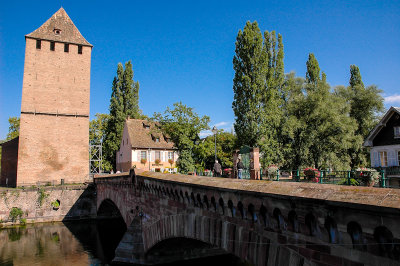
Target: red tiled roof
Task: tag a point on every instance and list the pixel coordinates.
(61, 22)
(143, 134)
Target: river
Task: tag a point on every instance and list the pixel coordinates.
(72, 243)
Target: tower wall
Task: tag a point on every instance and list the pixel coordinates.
(54, 129)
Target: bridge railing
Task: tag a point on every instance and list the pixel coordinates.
(388, 178)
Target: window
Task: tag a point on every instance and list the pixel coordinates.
(38, 44)
(170, 155)
(143, 155)
(396, 132)
(157, 139)
(66, 47)
(158, 155)
(57, 31)
(79, 49)
(383, 158)
(52, 46)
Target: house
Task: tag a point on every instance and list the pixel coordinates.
(145, 147)
(384, 141)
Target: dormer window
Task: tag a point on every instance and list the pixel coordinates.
(397, 132)
(57, 31)
(157, 139)
(146, 126)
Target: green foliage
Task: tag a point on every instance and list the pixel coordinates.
(258, 91)
(13, 129)
(42, 195)
(124, 102)
(23, 221)
(204, 151)
(55, 204)
(344, 181)
(312, 74)
(15, 214)
(366, 105)
(183, 125)
(97, 133)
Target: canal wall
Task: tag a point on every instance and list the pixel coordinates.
(48, 203)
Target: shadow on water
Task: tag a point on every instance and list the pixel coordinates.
(99, 237)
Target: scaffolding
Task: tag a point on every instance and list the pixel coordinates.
(96, 159)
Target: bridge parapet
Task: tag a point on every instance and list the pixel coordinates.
(261, 221)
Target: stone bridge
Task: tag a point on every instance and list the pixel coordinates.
(260, 222)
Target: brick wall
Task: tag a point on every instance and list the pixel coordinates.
(54, 131)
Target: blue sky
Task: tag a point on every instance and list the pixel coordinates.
(183, 50)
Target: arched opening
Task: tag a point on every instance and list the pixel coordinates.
(355, 231)
(384, 237)
(187, 251)
(199, 203)
(293, 221)
(205, 200)
(251, 212)
(311, 224)
(213, 203)
(221, 205)
(231, 208)
(111, 228)
(263, 214)
(279, 219)
(331, 227)
(240, 209)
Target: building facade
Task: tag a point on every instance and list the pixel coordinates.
(54, 129)
(145, 147)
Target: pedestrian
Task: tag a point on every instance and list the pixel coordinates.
(217, 169)
(240, 167)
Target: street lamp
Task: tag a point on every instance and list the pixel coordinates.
(214, 130)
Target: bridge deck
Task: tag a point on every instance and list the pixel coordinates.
(380, 197)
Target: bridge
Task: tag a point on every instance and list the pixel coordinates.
(173, 217)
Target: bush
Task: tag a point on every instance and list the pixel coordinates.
(15, 213)
(272, 171)
(55, 204)
(367, 175)
(312, 174)
(143, 161)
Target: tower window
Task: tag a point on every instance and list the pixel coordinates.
(52, 46)
(79, 49)
(66, 47)
(38, 44)
(57, 31)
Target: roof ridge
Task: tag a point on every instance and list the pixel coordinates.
(59, 27)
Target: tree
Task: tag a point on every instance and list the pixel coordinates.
(366, 104)
(312, 74)
(183, 125)
(269, 142)
(13, 129)
(123, 103)
(249, 64)
(258, 91)
(204, 151)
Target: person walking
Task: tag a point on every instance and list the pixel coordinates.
(217, 169)
(240, 167)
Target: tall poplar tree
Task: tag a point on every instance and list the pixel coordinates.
(249, 64)
(124, 102)
(366, 104)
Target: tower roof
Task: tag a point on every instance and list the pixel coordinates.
(59, 28)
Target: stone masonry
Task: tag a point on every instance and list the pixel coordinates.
(54, 130)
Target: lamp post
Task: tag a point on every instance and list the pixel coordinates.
(214, 130)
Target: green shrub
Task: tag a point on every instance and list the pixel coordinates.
(55, 204)
(15, 213)
(22, 221)
(42, 196)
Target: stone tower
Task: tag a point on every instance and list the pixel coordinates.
(54, 129)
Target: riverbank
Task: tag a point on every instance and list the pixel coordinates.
(47, 204)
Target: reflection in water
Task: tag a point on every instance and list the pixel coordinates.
(75, 243)
(72, 243)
